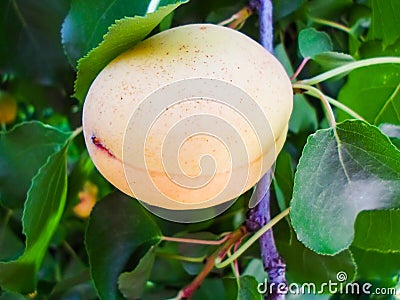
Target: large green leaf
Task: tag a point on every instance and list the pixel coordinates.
(121, 36)
(42, 213)
(374, 91)
(23, 150)
(118, 227)
(384, 21)
(30, 38)
(342, 172)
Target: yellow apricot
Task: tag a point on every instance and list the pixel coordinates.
(190, 118)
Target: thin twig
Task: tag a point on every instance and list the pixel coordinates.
(252, 239)
(317, 93)
(194, 241)
(220, 253)
(350, 67)
(300, 68)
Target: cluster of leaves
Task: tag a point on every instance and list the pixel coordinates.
(342, 183)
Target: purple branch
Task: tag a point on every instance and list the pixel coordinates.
(260, 215)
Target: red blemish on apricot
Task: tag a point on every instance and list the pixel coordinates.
(99, 144)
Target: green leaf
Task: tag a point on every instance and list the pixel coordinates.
(328, 9)
(304, 116)
(381, 269)
(23, 150)
(248, 289)
(255, 268)
(87, 22)
(118, 227)
(132, 284)
(10, 245)
(379, 100)
(121, 36)
(211, 289)
(42, 213)
(351, 168)
(374, 91)
(313, 42)
(281, 54)
(283, 8)
(283, 179)
(369, 227)
(193, 250)
(330, 60)
(30, 39)
(384, 21)
(306, 266)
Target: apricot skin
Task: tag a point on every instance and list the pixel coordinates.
(179, 55)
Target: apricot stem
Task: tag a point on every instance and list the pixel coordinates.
(350, 67)
(336, 26)
(181, 257)
(300, 68)
(318, 94)
(221, 264)
(75, 133)
(220, 253)
(195, 241)
(339, 105)
(237, 20)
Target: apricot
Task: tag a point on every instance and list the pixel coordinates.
(189, 118)
(8, 108)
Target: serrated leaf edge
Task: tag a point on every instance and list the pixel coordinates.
(77, 94)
